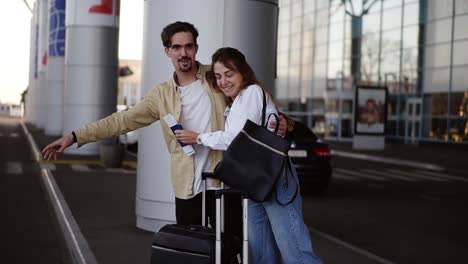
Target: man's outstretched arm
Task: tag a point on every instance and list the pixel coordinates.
(56, 148)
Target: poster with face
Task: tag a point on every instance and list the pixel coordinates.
(371, 110)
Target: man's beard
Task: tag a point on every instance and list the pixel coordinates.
(185, 67)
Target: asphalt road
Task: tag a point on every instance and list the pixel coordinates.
(27, 228)
(372, 213)
(392, 214)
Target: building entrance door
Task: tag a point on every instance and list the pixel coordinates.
(413, 119)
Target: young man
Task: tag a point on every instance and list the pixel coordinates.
(188, 97)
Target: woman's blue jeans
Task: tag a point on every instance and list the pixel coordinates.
(278, 234)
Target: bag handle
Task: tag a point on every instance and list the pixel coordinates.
(277, 122)
(263, 108)
(265, 124)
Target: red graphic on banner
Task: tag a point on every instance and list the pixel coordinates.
(44, 59)
(104, 8)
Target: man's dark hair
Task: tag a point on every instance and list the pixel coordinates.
(177, 27)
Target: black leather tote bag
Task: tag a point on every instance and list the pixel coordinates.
(255, 159)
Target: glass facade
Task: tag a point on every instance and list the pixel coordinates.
(417, 48)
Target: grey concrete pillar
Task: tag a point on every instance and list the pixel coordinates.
(247, 25)
(41, 88)
(91, 65)
(29, 107)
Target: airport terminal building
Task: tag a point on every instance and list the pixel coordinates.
(415, 48)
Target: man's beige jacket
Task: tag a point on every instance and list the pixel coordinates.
(161, 100)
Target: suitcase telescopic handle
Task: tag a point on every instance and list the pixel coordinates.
(220, 193)
(205, 176)
(245, 216)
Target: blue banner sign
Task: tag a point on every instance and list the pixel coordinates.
(57, 28)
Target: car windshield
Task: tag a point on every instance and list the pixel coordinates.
(301, 132)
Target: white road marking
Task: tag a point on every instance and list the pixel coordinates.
(417, 175)
(13, 167)
(76, 243)
(390, 175)
(362, 175)
(14, 135)
(443, 175)
(1, 134)
(80, 167)
(350, 247)
(398, 162)
(337, 175)
(49, 166)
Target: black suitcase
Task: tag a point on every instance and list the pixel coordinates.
(183, 244)
(191, 244)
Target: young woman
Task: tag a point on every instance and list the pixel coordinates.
(277, 233)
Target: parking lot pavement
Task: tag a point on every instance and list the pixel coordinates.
(102, 201)
(439, 156)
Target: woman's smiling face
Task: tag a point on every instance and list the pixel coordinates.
(228, 80)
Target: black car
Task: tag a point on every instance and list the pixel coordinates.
(311, 158)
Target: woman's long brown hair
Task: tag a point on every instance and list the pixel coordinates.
(234, 60)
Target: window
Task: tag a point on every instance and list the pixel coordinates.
(460, 54)
(459, 116)
(371, 23)
(336, 31)
(391, 18)
(320, 70)
(439, 31)
(296, 9)
(439, 103)
(336, 50)
(296, 25)
(438, 55)
(283, 44)
(391, 3)
(461, 7)
(321, 4)
(409, 59)
(306, 72)
(307, 56)
(308, 39)
(390, 62)
(320, 53)
(309, 6)
(309, 22)
(459, 104)
(322, 17)
(391, 40)
(295, 41)
(436, 80)
(411, 14)
(334, 68)
(282, 59)
(295, 57)
(283, 29)
(410, 37)
(439, 9)
(460, 79)
(460, 29)
(321, 36)
(285, 13)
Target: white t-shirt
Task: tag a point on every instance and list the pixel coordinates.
(196, 116)
(247, 105)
